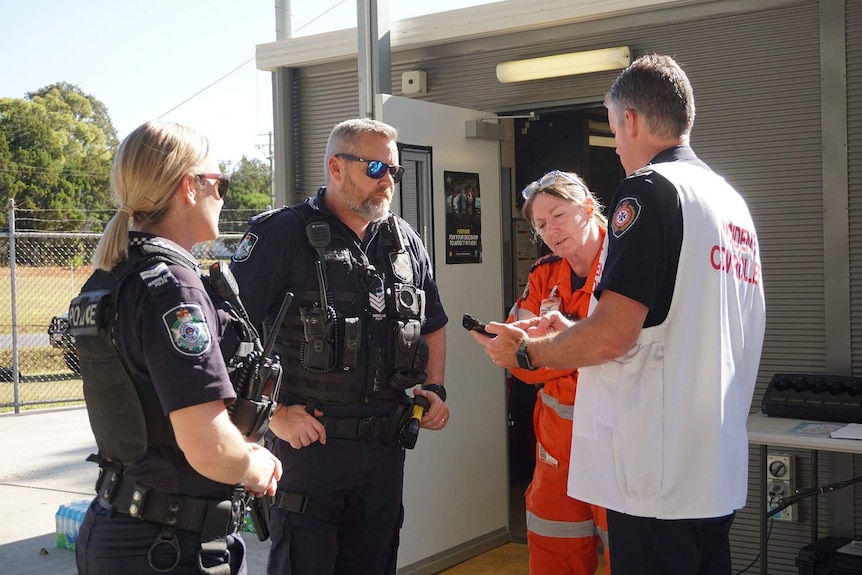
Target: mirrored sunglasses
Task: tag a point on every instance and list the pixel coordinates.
(376, 169)
(221, 186)
(547, 181)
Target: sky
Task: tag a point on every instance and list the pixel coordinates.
(188, 61)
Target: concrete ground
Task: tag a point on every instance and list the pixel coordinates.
(42, 466)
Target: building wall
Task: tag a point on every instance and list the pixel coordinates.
(756, 72)
(854, 205)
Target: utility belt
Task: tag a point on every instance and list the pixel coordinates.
(298, 503)
(375, 428)
(214, 519)
(178, 511)
(386, 428)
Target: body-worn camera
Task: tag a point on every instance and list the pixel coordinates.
(409, 301)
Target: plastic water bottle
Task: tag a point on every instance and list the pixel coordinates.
(69, 518)
(76, 517)
(60, 530)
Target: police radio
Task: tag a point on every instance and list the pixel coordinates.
(319, 350)
(256, 376)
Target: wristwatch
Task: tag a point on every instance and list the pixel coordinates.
(436, 388)
(523, 358)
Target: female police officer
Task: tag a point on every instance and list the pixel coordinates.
(152, 342)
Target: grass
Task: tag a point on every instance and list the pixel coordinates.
(36, 361)
(44, 380)
(40, 293)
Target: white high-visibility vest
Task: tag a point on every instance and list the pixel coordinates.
(661, 431)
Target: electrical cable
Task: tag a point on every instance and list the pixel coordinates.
(202, 90)
(768, 533)
(321, 15)
(250, 60)
(785, 502)
(195, 95)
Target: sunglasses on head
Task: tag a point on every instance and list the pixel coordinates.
(547, 181)
(223, 182)
(375, 168)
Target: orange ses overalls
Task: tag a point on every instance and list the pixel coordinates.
(562, 533)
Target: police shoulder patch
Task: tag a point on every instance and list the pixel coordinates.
(263, 216)
(625, 215)
(243, 250)
(187, 329)
(159, 278)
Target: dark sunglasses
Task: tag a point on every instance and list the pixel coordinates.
(375, 168)
(547, 181)
(223, 182)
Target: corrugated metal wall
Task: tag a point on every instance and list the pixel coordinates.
(756, 77)
(324, 96)
(854, 177)
(758, 124)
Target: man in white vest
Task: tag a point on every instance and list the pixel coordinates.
(669, 357)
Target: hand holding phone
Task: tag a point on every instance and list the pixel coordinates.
(472, 324)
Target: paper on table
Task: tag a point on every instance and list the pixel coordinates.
(815, 428)
(849, 431)
(852, 548)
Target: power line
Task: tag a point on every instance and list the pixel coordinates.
(196, 94)
(324, 13)
(28, 168)
(202, 90)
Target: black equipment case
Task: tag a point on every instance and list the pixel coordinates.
(822, 558)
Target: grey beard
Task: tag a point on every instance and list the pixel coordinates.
(370, 211)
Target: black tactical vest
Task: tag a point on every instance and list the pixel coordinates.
(352, 334)
(125, 415)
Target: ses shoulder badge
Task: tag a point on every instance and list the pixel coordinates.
(243, 250)
(187, 329)
(626, 214)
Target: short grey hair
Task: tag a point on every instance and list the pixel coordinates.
(344, 137)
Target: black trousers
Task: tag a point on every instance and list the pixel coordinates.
(360, 482)
(120, 544)
(648, 546)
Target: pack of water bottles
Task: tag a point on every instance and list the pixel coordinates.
(68, 519)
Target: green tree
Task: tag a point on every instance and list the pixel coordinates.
(248, 193)
(56, 148)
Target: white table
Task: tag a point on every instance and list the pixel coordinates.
(774, 431)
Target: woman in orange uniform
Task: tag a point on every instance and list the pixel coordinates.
(562, 533)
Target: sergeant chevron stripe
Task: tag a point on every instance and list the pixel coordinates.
(377, 302)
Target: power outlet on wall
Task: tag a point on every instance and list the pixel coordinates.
(780, 482)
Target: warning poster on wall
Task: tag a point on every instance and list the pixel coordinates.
(463, 218)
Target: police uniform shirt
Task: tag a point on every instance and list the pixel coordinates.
(169, 332)
(645, 237)
(275, 257)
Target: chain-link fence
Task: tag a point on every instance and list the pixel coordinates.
(42, 272)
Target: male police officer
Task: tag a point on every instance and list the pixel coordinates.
(365, 326)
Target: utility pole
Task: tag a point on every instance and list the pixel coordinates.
(373, 54)
(269, 155)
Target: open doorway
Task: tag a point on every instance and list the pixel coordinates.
(575, 139)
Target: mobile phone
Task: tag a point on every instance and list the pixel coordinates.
(472, 324)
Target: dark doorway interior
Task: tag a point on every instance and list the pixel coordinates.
(576, 139)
